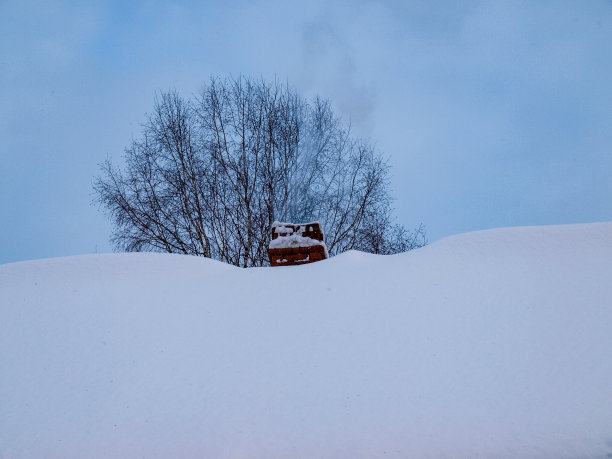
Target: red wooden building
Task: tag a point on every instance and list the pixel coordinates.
(296, 244)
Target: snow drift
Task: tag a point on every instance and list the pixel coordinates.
(493, 344)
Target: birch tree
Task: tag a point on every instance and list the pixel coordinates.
(210, 174)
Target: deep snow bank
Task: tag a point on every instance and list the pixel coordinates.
(496, 343)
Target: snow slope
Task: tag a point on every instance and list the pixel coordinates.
(489, 344)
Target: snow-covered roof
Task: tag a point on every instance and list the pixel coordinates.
(291, 236)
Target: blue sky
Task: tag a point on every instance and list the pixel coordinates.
(492, 113)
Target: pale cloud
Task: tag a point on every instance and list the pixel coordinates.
(329, 67)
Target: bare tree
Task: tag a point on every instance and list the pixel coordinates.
(210, 175)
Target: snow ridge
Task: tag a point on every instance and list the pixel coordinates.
(490, 344)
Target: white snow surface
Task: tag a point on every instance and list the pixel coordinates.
(283, 227)
(294, 240)
(489, 344)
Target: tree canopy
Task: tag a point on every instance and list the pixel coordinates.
(210, 174)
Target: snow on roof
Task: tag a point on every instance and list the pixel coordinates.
(277, 224)
(292, 235)
(294, 240)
